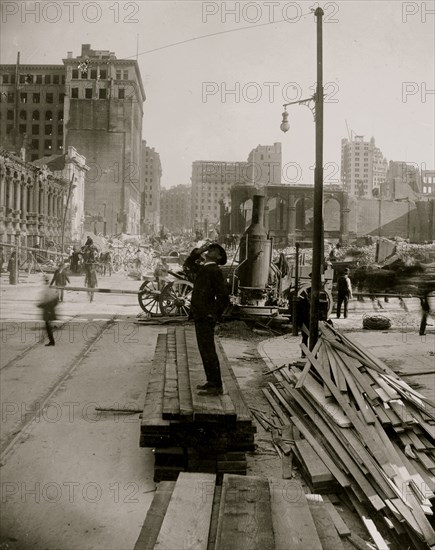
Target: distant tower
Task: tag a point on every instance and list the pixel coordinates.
(363, 167)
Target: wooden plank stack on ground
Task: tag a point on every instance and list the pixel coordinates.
(192, 432)
(369, 430)
(246, 512)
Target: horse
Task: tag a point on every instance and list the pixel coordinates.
(395, 278)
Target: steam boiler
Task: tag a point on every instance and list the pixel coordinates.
(256, 272)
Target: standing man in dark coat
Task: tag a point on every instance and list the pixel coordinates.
(209, 300)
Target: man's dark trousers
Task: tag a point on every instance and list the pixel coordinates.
(342, 300)
(204, 329)
(49, 330)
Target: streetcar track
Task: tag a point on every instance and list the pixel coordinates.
(25, 425)
(32, 346)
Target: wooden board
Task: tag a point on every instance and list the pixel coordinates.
(152, 412)
(326, 531)
(371, 441)
(317, 471)
(187, 521)
(314, 389)
(245, 518)
(342, 529)
(293, 523)
(214, 518)
(367, 412)
(184, 391)
(154, 518)
(171, 403)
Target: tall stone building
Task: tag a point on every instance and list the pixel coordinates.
(94, 103)
(211, 182)
(175, 208)
(103, 121)
(151, 175)
(363, 167)
(32, 109)
(265, 165)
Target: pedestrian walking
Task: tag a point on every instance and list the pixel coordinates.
(344, 293)
(48, 302)
(208, 302)
(90, 257)
(91, 280)
(60, 278)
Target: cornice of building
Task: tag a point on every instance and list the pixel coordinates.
(112, 61)
(30, 67)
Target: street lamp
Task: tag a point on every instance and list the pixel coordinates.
(316, 271)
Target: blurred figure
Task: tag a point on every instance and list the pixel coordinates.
(48, 302)
(60, 278)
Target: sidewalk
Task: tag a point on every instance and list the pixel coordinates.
(408, 354)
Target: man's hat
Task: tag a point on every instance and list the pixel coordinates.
(223, 259)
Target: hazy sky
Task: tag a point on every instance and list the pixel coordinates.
(378, 73)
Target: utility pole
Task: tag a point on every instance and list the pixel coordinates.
(316, 273)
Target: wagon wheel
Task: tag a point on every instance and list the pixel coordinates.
(175, 298)
(148, 297)
(327, 293)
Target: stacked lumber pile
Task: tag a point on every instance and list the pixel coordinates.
(372, 431)
(246, 512)
(192, 432)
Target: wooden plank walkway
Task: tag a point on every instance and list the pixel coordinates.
(200, 432)
(246, 512)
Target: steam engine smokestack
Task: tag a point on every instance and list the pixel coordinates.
(255, 250)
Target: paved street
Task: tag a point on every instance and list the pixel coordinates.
(74, 476)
